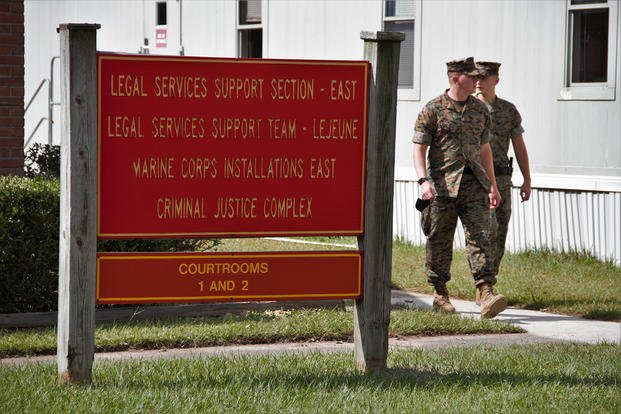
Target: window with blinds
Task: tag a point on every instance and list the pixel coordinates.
(249, 29)
(591, 48)
(399, 16)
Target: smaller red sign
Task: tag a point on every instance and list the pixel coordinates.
(223, 277)
(160, 37)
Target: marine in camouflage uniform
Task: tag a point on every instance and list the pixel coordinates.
(461, 182)
(506, 128)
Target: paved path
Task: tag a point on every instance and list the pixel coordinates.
(298, 348)
(539, 324)
(541, 327)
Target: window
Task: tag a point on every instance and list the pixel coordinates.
(589, 39)
(400, 16)
(590, 50)
(161, 13)
(161, 29)
(249, 29)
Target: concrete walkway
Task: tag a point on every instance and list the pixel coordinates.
(539, 324)
(298, 348)
(541, 327)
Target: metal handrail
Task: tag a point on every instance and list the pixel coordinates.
(35, 94)
(50, 105)
(35, 130)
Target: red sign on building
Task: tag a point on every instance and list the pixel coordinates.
(204, 277)
(202, 147)
(160, 37)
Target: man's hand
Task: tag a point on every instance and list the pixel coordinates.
(494, 197)
(525, 191)
(427, 191)
(487, 160)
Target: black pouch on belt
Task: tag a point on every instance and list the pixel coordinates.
(422, 204)
(504, 169)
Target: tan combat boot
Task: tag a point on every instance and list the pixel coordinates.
(477, 297)
(491, 304)
(441, 301)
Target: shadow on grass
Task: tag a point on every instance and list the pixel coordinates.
(203, 320)
(406, 378)
(599, 313)
(157, 344)
(604, 315)
(430, 378)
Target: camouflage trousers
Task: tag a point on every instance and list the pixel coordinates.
(499, 226)
(439, 222)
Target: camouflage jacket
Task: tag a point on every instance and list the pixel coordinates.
(454, 140)
(506, 125)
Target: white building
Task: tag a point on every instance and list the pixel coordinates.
(560, 66)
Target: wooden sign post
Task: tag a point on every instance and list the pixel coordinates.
(78, 203)
(372, 312)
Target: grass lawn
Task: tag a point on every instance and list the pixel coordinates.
(562, 378)
(537, 280)
(551, 378)
(562, 283)
(558, 283)
(248, 328)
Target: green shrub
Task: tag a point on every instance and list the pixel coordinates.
(29, 211)
(29, 226)
(42, 160)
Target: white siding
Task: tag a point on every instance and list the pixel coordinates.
(562, 137)
(320, 29)
(572, 144)
(209, 28)
(41, 19)
(563, 221)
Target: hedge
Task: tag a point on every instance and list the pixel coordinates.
(29, 211)
(29, 225)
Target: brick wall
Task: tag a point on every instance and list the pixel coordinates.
(11, 87)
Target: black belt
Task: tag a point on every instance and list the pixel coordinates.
(499, 170)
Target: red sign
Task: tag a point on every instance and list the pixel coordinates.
(160, 37)
(202, 147)
(204, 277)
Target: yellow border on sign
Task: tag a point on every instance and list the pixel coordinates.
(166, 256)
(101, 56)
(98, 144)
(346, 295)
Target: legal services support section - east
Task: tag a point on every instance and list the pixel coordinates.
(197, 87)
